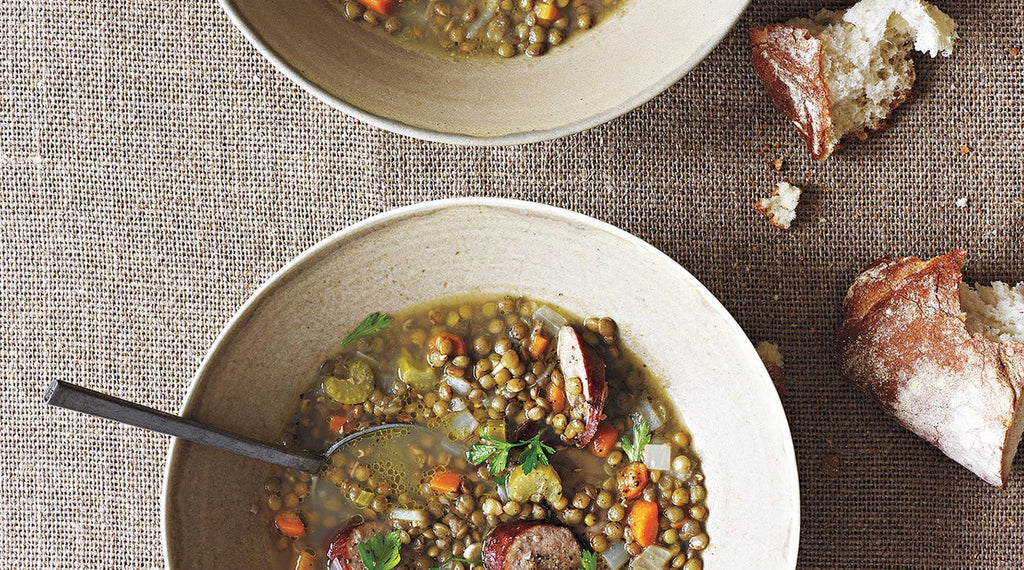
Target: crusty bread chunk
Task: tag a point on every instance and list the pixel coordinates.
(839, 75)
(780, 207)
(944, 360)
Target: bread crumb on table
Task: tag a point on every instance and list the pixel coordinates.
(780, 207)
(961, 202)
(830, 465)
(772, 359)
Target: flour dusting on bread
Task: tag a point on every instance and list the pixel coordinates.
(937, 357)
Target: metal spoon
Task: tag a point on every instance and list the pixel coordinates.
(66, 395)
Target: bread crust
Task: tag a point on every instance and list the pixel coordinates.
(903, 341)
(788, 59)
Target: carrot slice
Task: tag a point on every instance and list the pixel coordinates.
(383, 6)
(556, 396)
(336, 423)
(458, 345)
(545, 11)
(445, 482)
(290, 524)
(604, 440)
(305, 560)
(643, 519)
(632, 480)
(537, 345)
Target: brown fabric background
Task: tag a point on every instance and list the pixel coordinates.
(154, 170)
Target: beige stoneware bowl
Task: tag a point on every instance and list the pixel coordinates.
(274, 346)
(621, 63)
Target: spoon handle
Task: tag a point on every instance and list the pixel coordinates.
(79, 399)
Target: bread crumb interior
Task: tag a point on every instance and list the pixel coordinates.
(997, 310)
(780, 207)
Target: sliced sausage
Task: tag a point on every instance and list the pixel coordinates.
(579, 360)
(531, 546)
(342, 552)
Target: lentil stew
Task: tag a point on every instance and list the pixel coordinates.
(505, 28)
(539, 442)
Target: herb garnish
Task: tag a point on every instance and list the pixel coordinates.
(641, 437)
(589, 560)
(380, 551)
(495, 452)
(371, 325)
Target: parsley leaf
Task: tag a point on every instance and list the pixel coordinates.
(536, 452)
(371, 325)
(380, 551)
(480, 452)
(495, 453)
(588, 560)
(634, 448)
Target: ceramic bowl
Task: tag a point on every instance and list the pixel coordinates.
(598, 75)
(272, 349)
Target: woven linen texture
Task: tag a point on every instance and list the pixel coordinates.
(155, 170)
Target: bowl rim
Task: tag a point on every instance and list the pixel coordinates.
(426, 208)
(235, 15)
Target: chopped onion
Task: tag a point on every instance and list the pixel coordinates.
(616, 556)
(368, 359)
(385, 378)
(653, 557)
(462, 425)
(546, 373)
(502, 492)
(680, 477)
(387, 381)
(552, 320)
(453, 447)
(459, 386)
(658, 456)
(482, 19)
(415, 516)
(647, 411)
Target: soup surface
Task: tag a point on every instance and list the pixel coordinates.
(505, 28)
(534, 441)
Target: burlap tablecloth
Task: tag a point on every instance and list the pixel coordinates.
(154, 170)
